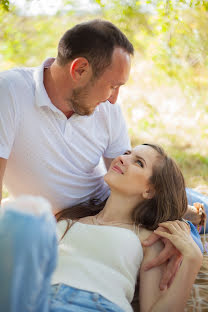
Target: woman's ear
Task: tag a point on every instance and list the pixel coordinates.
(149, 193)
(80, 70)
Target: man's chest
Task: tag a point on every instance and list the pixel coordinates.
(46, 138)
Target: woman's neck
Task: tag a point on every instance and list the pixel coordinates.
(118, 209)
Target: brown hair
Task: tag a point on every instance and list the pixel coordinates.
(170, 200)
(168, 203)
(95, 40)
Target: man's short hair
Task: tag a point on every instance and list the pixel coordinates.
(95, 40)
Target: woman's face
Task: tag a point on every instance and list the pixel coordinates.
(129, 173)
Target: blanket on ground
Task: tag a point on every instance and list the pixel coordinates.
(198, 301)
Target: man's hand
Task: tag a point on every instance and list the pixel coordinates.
(196, 214)
(169, 254)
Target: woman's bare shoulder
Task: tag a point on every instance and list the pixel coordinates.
(86, 220)
(144, 233)
(153, 249)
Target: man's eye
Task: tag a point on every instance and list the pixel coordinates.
(139, 162)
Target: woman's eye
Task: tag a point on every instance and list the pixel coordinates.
(139, 162)
(127, 153)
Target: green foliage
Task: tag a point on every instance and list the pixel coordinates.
(27, 40)
(172, 33)
(4, 5)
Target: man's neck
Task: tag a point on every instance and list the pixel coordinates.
(54, 81)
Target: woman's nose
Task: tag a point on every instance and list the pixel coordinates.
(124, 160)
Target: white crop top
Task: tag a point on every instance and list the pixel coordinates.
(102, 259)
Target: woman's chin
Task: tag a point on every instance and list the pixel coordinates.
(110, 179)
(107, 178)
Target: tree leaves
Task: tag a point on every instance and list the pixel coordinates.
(4, 4)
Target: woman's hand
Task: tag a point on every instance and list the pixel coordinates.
(180, 238)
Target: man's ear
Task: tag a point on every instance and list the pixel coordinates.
(80, 70)
(148, 193)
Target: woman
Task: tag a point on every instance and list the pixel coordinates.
(101, 255)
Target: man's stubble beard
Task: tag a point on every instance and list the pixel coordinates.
(78, 101)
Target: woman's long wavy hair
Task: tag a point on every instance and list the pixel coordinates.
(169, 202)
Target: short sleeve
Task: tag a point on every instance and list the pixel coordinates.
(119, 140)
(8, 118)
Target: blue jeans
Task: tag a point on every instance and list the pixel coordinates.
(69, 299)
(194, 197)
(28, 255)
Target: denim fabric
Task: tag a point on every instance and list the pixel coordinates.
(196, 237)
(194, 197)
(65, 298)
(28, 249)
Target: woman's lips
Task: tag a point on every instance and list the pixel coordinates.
(117, 169)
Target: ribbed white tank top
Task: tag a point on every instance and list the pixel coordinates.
(102, 259)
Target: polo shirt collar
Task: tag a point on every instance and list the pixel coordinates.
(41, 96)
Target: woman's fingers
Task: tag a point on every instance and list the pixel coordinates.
(171, 226)
(184, 226)
(178, 240)
(176, 226)
(163, 234)
(167, 252)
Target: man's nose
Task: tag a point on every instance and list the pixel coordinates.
(113, 98)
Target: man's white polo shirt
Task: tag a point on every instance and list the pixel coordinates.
(48, 154)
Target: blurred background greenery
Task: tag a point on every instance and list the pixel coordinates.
(166, 98)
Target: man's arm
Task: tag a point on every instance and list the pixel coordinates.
(3, 162)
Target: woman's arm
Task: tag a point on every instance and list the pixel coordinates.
(174, 298)
(149, 280)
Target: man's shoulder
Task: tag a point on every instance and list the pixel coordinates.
(17, 76)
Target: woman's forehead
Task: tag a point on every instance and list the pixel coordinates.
(145, 151)
(142, 148)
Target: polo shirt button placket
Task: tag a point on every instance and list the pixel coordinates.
(68, 130)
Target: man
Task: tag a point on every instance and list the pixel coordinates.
(57, 120)
(55, 125)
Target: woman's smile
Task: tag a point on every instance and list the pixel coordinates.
(117, 169)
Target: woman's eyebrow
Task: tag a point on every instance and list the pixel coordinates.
(139, 157)
(127, 151)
